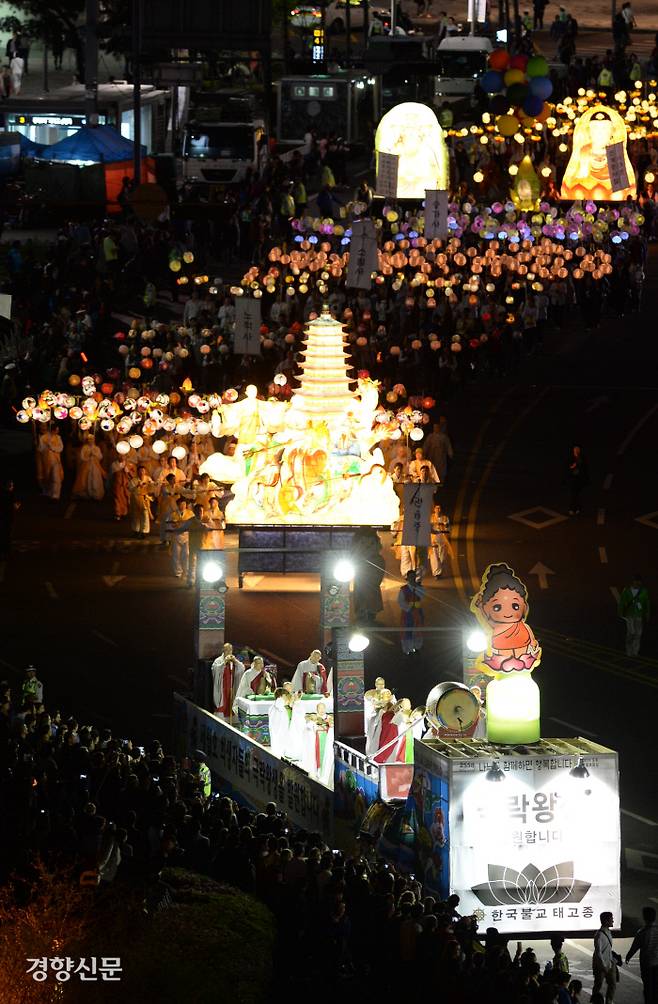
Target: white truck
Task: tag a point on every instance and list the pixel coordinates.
(462, 59)
(220, 152)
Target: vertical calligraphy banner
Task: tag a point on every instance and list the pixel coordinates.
(387, 175)
(246, 340)
(417, 527)
(363, 255)
(436, 214)
(617, 166)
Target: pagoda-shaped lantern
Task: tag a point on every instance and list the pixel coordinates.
(324, 392)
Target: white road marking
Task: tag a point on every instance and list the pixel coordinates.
(546, 517)
(576, 728)
(615, 593)
(103, 637)
(607, 482)
(641, 819)
(636, 428)
(542, 572)
(70, 509)
(600, 517)
(603, 556)
(52, 592)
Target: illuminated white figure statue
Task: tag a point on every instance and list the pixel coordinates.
(313, 459)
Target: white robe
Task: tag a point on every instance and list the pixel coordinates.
(370, 711)
(244, 687)
(51, 447)
(306, 666)
(286, 732)
(326, 772)
(406, 731)
(217, 670)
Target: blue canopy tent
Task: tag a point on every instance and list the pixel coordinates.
(28, 147)
(101, 145)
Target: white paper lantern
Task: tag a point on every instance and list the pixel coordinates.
(123, 447)
(416, 435)
(179, 452)
(159, 446)
(135, 442)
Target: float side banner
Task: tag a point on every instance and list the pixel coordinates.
(387, 174)
(246, 339)
(249, 771)
(617, 166)
(436, 214)
(539, 851)
(363, 255)
(417, 527)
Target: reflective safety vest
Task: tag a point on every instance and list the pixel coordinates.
(287, 206)
(204, 777)
(605, 78)
(446, 118)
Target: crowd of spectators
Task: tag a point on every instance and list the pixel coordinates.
(79, 796)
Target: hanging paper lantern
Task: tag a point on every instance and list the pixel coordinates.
(416, 435)
(175, 265)
(136, 441)
(22, 417)
(159, 446)
(74, 380)
(107, 424)
(123, 447)
(179, 452)
(188, 257)
(134, 373)
(124, 350)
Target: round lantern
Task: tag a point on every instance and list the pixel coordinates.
(179, 452)
(136, 441)
(123, 447)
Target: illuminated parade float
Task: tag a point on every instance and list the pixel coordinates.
(311, 460)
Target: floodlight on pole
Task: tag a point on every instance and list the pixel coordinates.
(211, 571)
(344, 570)
(358, 642)
(476, 641)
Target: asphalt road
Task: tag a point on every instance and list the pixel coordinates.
(110, 629)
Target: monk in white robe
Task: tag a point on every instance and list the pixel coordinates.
(227, 672)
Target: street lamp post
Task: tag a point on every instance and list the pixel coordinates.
(209, 618)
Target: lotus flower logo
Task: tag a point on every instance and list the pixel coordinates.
(555, 884)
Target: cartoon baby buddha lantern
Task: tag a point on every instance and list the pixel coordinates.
(588, 175)
(412, 132)
(501, 607)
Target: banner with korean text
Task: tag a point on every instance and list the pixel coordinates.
(363, 255)
(243, 768)
(540, 850)
(246, 339)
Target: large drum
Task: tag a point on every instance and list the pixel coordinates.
(453, 710)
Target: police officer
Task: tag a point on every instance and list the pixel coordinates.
(32, 689)
(202, 771)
